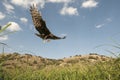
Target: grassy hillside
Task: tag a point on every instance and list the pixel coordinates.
(80, 67)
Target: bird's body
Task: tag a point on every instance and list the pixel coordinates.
(40, 25)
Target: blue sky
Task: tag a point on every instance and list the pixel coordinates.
(87, 24)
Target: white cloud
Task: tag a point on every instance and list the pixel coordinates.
(41, 3)
(106, 21)
(59, 1)
(2, 16)
(14, 27)
(89, 4)
(109, 20)
(3, 38)
(100, 25)
(27, 3)
(24, 20)
(8, 7)
(68, 11)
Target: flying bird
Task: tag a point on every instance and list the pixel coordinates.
(40, 26)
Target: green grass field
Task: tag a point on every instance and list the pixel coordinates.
(108, 70)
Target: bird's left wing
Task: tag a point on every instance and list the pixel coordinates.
(39, 23)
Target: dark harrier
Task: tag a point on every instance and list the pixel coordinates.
(41, 27)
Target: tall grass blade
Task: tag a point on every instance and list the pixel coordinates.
(4, 28)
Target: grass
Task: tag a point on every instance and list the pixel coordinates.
(109, 70)
(5, 27)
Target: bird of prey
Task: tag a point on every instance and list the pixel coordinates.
(41, 27)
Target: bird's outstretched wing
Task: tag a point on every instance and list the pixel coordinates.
(40, 25)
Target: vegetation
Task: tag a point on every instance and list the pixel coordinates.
(27, 67)
(4, 28)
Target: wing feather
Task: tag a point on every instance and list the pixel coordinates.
(38, 22)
